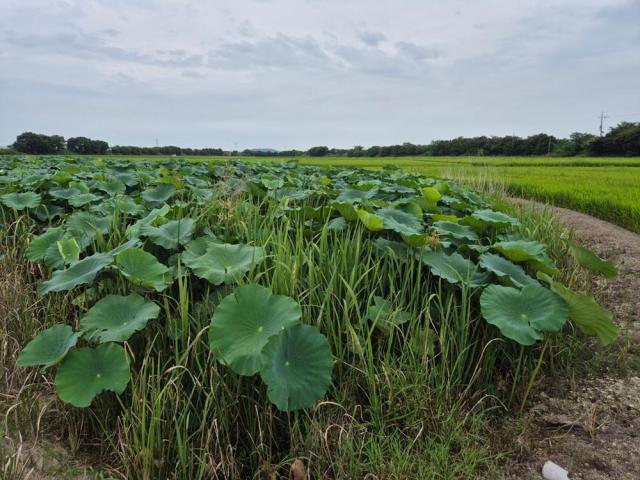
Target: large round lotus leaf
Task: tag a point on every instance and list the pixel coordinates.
(371, 221)
(86, 372)
(593, 262)
(494, 219)
(81, 272)
(244, 321)
(450, 229)
(585, 312)
(224, 263)
(20, 201)
(523, 315)
(528, 251)
(159, 194)
(115, 318)
(453, 268)
(400, 222)
(49, 347)
(503, 268)
(171, 234)
(297, 368)
(142, 268)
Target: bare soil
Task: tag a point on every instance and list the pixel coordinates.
(591, 426)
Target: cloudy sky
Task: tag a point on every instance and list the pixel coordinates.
(297, 73)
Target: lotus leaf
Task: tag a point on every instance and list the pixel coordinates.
(171, 234)
(224, 263)
(81, 272)
(528, 251)
(142, 268)
(495, 219)
(450, 229)
(49, 347)
(20, 201)
(159, 194)
(593, 262)
(523, 315)
(244, 321)
(86, 372)
(371, 221)
(297, 368)
(400, 222)
(453, 268)
(505, 269)
(384, 316)
(115, 318)
(585, 312)
(69, 250)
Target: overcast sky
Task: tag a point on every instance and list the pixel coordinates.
(298, 73)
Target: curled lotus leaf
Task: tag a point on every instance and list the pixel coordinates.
(593, 262)
(453, 268)
(79, 273)
(585, 312)
(69, 250)
(530, 251)
(142, 268)
(371, 221)
(49, 347)
(506, 269)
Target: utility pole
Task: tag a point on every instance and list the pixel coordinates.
(602, 117)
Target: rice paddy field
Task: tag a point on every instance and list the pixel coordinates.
(235, 319)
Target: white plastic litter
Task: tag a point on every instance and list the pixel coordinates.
(552, 471)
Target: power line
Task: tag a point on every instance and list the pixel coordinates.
(602, 117)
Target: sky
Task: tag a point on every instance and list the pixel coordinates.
(297, 73)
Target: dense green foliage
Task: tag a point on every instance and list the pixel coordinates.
(212, 299)
(84, 145)
(622, 140)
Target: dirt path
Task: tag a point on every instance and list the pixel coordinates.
(591, 426)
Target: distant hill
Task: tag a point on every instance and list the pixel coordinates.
(264, 150)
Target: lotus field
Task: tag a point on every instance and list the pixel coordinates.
(218, 320)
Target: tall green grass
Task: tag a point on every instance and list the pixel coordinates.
(413, 403)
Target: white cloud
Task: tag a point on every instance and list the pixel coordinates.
(291, 73)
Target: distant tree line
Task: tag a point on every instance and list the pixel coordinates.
(621, 140)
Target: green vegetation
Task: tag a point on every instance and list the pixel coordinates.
(220, 320)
